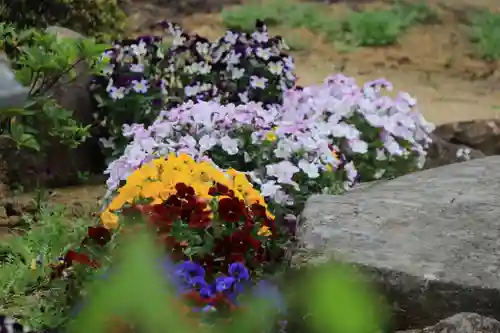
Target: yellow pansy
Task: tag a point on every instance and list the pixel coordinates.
(157, 180)
(151, 189)
(271, 135)
(109, 219)
(264, 231)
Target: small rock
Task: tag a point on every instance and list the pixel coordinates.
(442, 152)
(462, 323)
(481, 134)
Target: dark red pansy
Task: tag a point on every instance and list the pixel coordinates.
(72, 256)
(99, 234)
(219, 189)
(183, 190)
(231, 209)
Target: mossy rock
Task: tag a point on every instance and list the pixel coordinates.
(96, 18)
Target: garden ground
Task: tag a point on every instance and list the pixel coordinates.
(434, 60)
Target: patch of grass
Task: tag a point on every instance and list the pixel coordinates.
(367, 28)
(274, 13)
(373, 28)
(484, 32)
(26, 291)
(384, 27)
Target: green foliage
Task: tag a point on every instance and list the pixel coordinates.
(365, 28)
(26, 289)
(383, 27)
(41, 61)
(374, 28)
(275, 12)
(96, 18)
(485, 34)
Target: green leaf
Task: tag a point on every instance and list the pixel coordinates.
(9, 113)
(29, 141)
(16, 130)
(340, 302)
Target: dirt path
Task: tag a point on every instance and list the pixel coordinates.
(435, 62)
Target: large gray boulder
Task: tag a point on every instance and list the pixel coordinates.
(429, 240)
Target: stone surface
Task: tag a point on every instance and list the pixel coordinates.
(442, 152)
(462, 323)
(429, 240)
(481, 134)
(12, 93)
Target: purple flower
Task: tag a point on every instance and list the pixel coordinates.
(224, 283)
(189, 269)
(238, 271)
(208, 291)
(197, 283)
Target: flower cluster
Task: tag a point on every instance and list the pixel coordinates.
(199, 212)
(220, 292)
(142, 76)
(318, 137)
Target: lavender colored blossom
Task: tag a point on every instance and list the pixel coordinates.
(321, 129)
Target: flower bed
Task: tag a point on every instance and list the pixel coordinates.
(212, 145)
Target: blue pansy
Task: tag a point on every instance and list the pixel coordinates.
(239, 271)
(224, 283)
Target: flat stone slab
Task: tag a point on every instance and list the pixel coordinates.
(430, 240)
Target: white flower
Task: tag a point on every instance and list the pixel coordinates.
(261, 37)
(276, 68)
(206, 142)
(232, 59)
(139, 49)
(285, 148)
(310, 169)
(264, 54)
(392, 146)
(352, 173)
(463, 153)
(358, 146)
(283, 171)
(117, 93)
(230, 37)
(237, 73)
(269, 188)
(191, 90)
(258, 82)
(202, 48)
(243, 97)
(140, 86)
(229, 145)
(137, 68)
